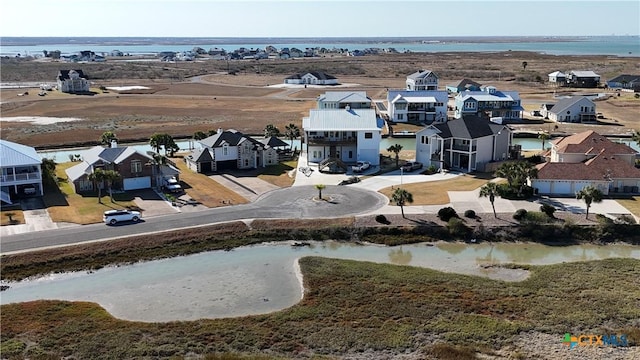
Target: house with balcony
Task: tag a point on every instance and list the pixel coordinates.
(466, 144)
(21, 169)
(72, 81)
(587, 158)
(489, 103)
(422, 80)
(230, 150)
(312, 78)
(575, 109)
(420, 106)
(342, 136)
(582, 79)
(344, 100)
(137, 170)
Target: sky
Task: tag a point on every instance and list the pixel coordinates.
(317, 18)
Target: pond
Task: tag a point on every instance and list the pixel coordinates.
(264, 278)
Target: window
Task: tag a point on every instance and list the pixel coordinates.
(225, 149)
(368, 135)
(350, 154)
(425, 139)
(400, 116)
(136, 166)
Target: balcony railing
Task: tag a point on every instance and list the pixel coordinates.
(20, 177)
(461, 147)
(319, 140)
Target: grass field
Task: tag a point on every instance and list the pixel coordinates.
(350, 307)
(435, 192)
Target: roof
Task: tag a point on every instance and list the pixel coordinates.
(567, 103)
(98, 153)
(342, 120)
(273, 142)
(626, 78)
(583, 73)
(317, 74)
(464, 83)
(602, 167)
(439, 95)
(469, 127)
(344, 96)
(558, 74)
(416, 99)
(590, 142)
(200, 155)
(64, 74)
(420, 74)
(14, 154)
(230, 137)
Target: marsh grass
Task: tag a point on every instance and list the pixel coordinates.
(351, 307)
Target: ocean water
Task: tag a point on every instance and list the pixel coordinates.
(599, 45)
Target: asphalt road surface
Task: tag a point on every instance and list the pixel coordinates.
(298, 202)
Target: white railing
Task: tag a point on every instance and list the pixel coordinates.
(20, 177)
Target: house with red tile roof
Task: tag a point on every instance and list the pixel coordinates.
(587, 158)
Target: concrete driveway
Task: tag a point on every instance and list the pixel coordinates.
(245, 184)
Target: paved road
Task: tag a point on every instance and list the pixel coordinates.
(296, 202)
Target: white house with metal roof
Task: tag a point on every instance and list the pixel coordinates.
(21, 169)
(344, 99)
(422, 80)
(575, 109)
(425, 106)
(583, 78)
(348, 135)
(557, 78)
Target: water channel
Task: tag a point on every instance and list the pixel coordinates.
(264, 278)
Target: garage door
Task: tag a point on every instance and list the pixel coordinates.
(579, 185)
(562, 187)
(543, 187)
(137, 183)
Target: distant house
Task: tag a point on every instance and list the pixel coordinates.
(463, 85)
(230, 150)
(631, 82)
(417, 106)
(116, 53)
(72, 81)
(312, 78)
(137, 170)
(558, 78)
(587, 158)
(582, 79)
(576, 109)
(489, 103)
(20, 171)
(348, 135)
(422, 80)
(344, 100)
(467, 144)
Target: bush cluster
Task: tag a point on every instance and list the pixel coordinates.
(447, 213)
(548, 209)
(470, 214)
(520, 214)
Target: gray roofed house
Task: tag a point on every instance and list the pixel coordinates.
(463, 85)
(575, 109)
(344, 99)
(230, 150)
(468, 144)
(20, 169)
(631, 82)
(417, 106)
(72, 81)
(422, 80)
(312, 78)
(583, 78)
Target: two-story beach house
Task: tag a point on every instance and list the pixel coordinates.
(583, 79)
(229, 150)
(422, 80)
(575, 109)
(489, 103)
(72, 81)
(342, 135)
(466, 144)
(417, 106)
(21, 171)
(587, 158)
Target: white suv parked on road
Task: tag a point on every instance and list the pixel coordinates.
(112, 217)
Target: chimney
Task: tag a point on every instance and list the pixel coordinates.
(348, 107)
(219, 131)
(114, 144)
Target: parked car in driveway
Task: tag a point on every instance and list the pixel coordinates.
(112, 217)
(411, 165)
(172, 184)
(361, 166)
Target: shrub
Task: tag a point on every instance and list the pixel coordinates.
(548, 209)
(382, 219)
(626, 219)
(536, 217)
(470, 214)
(457, 227)
(520, 214)
(447, 213)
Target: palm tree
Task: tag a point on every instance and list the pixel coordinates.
(396, 150)
(543, 136)
(199, 135)
(97, 177)
(524, 65)
(271, 130)
(292, 132)
(636, 137)
(490, 190)
(590, 194)
(111, 176)
(517, 173)
(320, 187)
(107, 138)
(401, 197)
